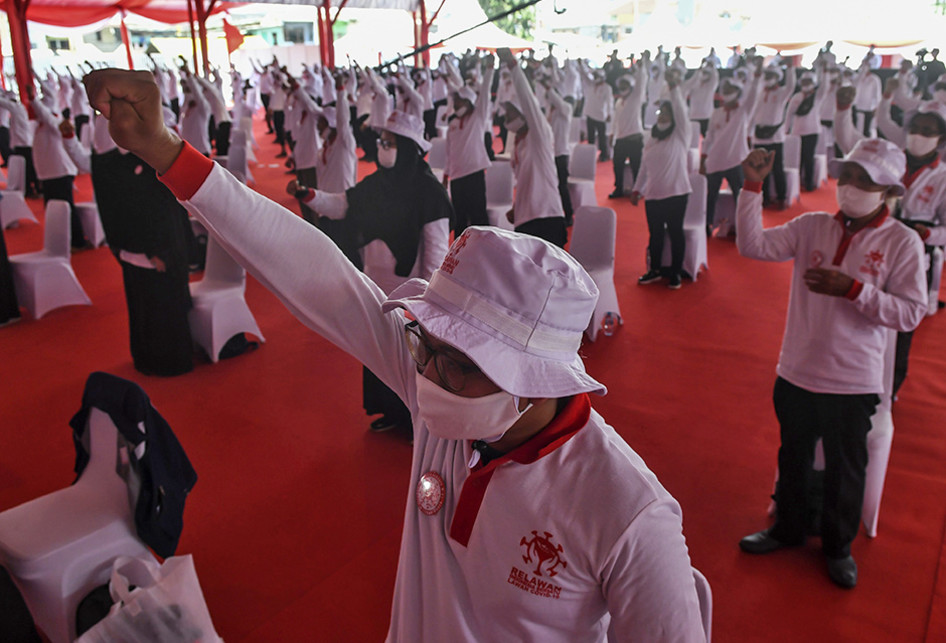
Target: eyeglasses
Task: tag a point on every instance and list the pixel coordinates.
(452, 373)
(386, 145)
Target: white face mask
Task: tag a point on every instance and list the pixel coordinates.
(387, 157)
(515, 124)
(919, 145)
(857, 203)
(452, 417)
(771, 83)
(461, 111)
(730, 97)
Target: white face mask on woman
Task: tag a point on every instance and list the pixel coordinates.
(857, 203)
(452, 417)
(387, 157)
(919, 145)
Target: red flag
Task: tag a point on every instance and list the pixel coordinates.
(233, 36)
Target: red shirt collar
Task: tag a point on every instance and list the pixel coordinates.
(910, 177)
(874, 223)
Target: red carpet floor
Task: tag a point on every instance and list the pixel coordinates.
(295, 521)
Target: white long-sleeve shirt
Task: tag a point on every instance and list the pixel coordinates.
(305, 115)
(49, 155)
(337, 161)
(663, 171)
(461, 575)
(533, 160)
(195, 117)
(599, 100)
(627, 109)
(810, 123)
(559, 116)
(837, 344)
(21, 130)
(770, 110)
(701, 92)
(466, 153)
(725, 145)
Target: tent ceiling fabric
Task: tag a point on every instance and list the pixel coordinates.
(406, 5)
(76, 13)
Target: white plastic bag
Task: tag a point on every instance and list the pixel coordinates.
(166, 606)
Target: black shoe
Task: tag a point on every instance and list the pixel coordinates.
(649, 277)
(762, 543)
(281, 155)
(675, 282)
(843, 571)
(382, 424)
(616, 194)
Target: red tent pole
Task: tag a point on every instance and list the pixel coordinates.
(321, 24)
(3, 77)
(424, 34)
(190, 21)
(329, 34)
(20, 42)
(202, 13)
(127, 41)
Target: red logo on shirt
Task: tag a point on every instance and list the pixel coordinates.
(543, 553)
(430, 493)
(451, 261)
(873, 261)
(816, 259)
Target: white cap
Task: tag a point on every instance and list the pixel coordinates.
(808, 76)
(408, 126)
(772, 68)
(881, 159)
(514, 304)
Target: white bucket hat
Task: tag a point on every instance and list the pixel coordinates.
(882, 160)
(515, 305)
(408, 126)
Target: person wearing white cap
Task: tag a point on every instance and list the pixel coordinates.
(467, 160)
(700, 89)
(529, 518)
(803, 118)
(599, 106)
(505, 92)
(855, 272)
(537, 206)
(923, 205)
(21, 136)
(401, 216)
(768, 130)
(726, 142)
(628, 128)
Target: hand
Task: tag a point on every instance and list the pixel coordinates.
(159, 265)
(66, 129)
(828, 282)
(921, 230)
(635, 197)
(845, 97)
(131, 102)
(702, 169)
(758, 165)
(293, 186)
(511, 216)
(505, 56)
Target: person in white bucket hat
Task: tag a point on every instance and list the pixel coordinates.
(529, 518)
(855, 273)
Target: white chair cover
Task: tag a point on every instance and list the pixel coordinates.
(582, 169)
(593, 246)
(88, 212)
(59, 547)
(44, 280)
(791, 160)
(499, 194)
(13, 206)
(220, 309)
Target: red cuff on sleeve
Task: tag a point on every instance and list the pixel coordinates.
(188, 172)
(753, 186)
(309, 195)
(855, 290)
(925, 234)
(68, 136)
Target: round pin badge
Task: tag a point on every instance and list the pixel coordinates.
(430, 493)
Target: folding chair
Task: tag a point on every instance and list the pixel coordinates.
(593, 245)
(582, 169)
(13, 206)
(44, 280)
(499, 194)
(88, 212)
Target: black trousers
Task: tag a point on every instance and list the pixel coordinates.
(264, 98)
(666, 215)
(627, 149)
(159, 334)
(222, 138)
(307, 177)
(9, 308)
(5, 150)
(598, 132)
(279, 124)
(468, 194)
(81, 121)
(552, 229)
(714, 181)
(704, 125)
(61, 188)
(778, 173)
(378, 398)
(842, 423)
(430, 123)
(809, 143)
(32, 182)
(561, 165)
(176, 108)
